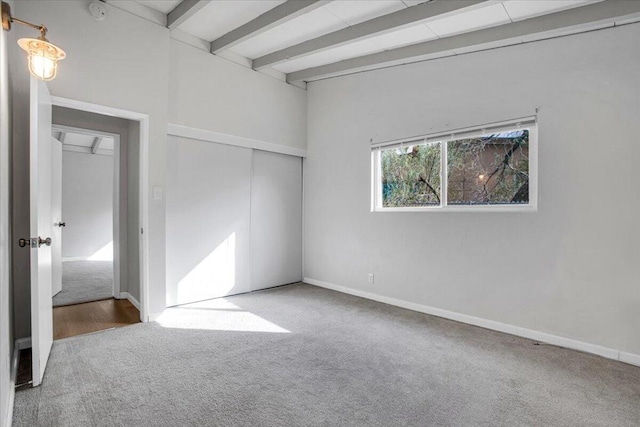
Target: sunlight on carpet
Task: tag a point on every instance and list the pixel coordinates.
(216, 315)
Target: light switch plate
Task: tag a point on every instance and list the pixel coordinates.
(157, 193)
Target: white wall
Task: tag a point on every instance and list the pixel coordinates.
(6, 324)
(570, 269)
(104, 66)
(126, 62)
(211, 93)
(19, 204)
(87, 203)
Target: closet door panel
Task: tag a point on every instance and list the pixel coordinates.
(208, 191)
(276, 220)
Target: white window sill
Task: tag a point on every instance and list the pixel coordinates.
(462, 208)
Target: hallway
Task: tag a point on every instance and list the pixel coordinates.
(78, 319)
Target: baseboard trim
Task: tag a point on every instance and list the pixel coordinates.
(23, 343)
(630, 358)
(133, 301)
(74, 258)
(155, 316)
(609, 353)
(131, 298)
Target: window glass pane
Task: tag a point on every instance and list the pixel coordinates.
(490, 169)
(411, 176)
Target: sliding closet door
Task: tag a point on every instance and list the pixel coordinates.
(276, 220)
(208, 220)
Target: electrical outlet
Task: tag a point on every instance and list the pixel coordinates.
(370, 277)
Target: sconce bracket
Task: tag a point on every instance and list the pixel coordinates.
(6, 16)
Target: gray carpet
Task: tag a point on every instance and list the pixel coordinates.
(304, 356)
(85, 281)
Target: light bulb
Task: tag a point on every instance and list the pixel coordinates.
(42, 67)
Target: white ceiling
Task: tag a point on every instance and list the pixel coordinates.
(164, 6)
(222, 16)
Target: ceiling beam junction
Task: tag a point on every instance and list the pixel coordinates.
(272, 18)
(183, 11)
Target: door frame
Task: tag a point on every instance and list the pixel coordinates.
(116, 194)
(143, 206)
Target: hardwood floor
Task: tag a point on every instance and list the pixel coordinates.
(72, 320)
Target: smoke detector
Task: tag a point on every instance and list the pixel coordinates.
(98, 11)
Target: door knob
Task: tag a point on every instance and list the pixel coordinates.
(35, 242)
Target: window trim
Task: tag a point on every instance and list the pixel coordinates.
(528, 123)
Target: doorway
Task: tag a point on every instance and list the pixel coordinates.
(98, 223)
(86, 219)
(83, 115)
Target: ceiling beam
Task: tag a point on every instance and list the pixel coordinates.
(424, 12)
(573, 20)
(272, 18)
(86, 150)
(183, 11)
(96, 144)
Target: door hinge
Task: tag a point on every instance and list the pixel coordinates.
(141, 230)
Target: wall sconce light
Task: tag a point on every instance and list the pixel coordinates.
(43, 56)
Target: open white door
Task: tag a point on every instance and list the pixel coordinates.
(40, 175)
(56, 214)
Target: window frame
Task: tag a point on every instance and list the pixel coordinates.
(529, 123)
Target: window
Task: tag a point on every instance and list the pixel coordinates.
(490, 168)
